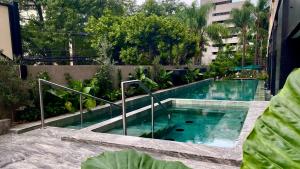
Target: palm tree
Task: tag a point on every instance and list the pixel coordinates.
(196, 19)
(242, 20)
(261, 12)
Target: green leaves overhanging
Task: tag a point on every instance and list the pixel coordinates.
(275, 139)
(130, 159)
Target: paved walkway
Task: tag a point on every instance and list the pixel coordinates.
(44, 149)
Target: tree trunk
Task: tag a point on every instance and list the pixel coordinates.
(244, 49)
(256, 57)
(199, 59)
(170, 54)
(201, 45)
(39, 11)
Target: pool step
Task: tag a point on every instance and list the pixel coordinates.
(145, 130)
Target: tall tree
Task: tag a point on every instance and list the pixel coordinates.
(152, 7)
(261, 13)
(48, 33)
(196, 19)
(242, 20)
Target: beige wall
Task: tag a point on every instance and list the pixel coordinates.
(83, 72)
(5, 34)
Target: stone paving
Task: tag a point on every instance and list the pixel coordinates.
(44, 149)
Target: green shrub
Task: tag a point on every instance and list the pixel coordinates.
(114, 95)
(103, 80)
(164, 79)
(192, 75)
(13, 91)
(144, 77)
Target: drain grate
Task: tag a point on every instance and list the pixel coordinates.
(180, 130)
(170, 139)
(189, 121)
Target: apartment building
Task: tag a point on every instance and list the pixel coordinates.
(220, 14)
(10, 41)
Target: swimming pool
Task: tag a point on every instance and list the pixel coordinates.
(242, 90)
(209, 125)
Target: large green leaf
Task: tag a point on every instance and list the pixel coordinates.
(90, 103)
(128, 159)
(275, 139)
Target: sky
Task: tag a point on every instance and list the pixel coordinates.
(190, 1)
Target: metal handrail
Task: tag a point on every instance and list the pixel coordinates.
(42, 81)
(153, 97)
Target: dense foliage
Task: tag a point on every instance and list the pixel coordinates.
(58, 22)
(120, 31)
(139, 38)
(13, 92)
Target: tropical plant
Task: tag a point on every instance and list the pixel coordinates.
(71, 100)
(196, 19)
(128, 159)
(192, 75)
(114, 95)
(274, 141)
(164, 79)
(144, 77)
(261, 14)
(242, 20)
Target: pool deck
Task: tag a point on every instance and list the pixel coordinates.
(61, 148)
(44, 149)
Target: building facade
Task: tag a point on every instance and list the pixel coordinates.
(284, 42)
(220, 14)
(10, 41)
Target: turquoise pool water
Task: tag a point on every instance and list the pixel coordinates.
(200, 125)
(243, 90)
(240, 90)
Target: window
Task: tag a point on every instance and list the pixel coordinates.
(223, 2)
(218, 45)
(221, 13)
(218, 21)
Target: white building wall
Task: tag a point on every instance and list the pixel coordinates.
(223, 8)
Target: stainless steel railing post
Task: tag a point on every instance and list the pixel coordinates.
(153, 97)
(124, 109)
(41, 104)
(81, 111)
(42, 81)
(152, 116)
(111, 111)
